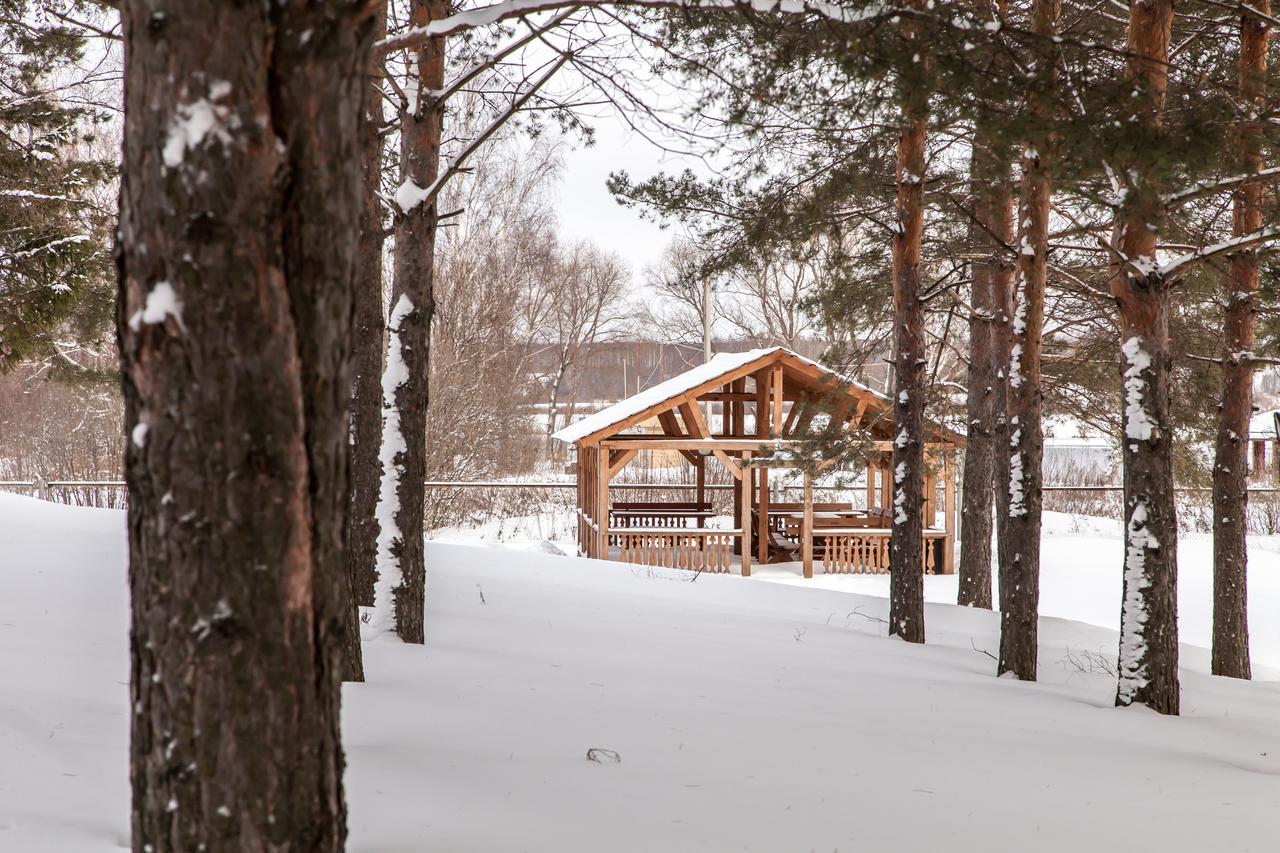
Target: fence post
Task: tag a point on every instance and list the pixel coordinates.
(42, 488)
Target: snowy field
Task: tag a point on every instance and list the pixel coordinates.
(748, 715)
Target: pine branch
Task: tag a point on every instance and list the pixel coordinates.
(1236, 358)
(455, 166)
(1182, 263)
(497, 12)
(1204, 188)
(492, 59)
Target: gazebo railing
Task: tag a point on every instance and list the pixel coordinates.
(865, 552)
(694, 548)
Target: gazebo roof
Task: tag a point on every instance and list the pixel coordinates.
(722, 369)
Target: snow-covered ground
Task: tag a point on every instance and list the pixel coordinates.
(748, 715)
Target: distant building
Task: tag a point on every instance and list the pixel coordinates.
(1263, 460)
(1076, 453)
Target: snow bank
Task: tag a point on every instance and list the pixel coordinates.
(747, 716)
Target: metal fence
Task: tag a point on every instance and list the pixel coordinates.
(545, 508)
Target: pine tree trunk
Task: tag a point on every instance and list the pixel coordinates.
(906, 568)
(1231, 454)
(993, 215)
(402, 496)
(1020, 556)
(239, 205)
(1149, 619)
(366, 372)
(368, 342)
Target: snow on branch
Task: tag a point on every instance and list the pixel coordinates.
(496, 12)
(1203, 188)
(410, 195)
(1182, 263)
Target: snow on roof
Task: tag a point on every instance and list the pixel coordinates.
(1263, 424)
(720, 364)
(1065, 431)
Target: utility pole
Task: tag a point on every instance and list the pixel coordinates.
(706, 318)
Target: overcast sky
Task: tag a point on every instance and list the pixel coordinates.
(586, 208)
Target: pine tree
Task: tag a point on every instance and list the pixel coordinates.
(239, 211)
(1020, 552)
(991, 230)
(906, 567)
(401, 559)
(1230, 654)
(55, 265)
(1148, 660)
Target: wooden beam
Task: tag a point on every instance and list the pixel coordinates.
(859, 412)
(949, 509)
(761, 409)
(730, 465)
(739, 410)
(760, 478)
(701, 484)
(775, 388)
(886, 485)
(650, 442)
(691, 413)
(671, 427)
(793, 414)
(602, 504)
(721, 397)
(618, 460)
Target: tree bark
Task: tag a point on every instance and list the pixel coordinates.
(238, 210)
(992, 278)
(906, 569)
(1230, 655)
(1148, 661)
(1020, 556)
(401, 586)
(368, 342)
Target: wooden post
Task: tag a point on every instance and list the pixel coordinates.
(871, 485)
(602, 501)
(775, 388)
(806, 527)
(740, 408)
(930, 497)
(886, 485)
(745, 510)
(949, 514)
(762, 500)
(701, 474)
(764, 383)
(582, 502)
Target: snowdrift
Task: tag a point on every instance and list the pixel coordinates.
(746, 715)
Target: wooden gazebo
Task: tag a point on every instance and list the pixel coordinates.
(771, 401)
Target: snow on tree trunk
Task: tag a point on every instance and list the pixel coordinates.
(1020, 552)
(389, 587)
(1230, 655)
(906, 581)
(239, 205)
(412, 286)
(992, 194)
(1149, 620)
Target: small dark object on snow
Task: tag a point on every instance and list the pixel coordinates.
(603, 756)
